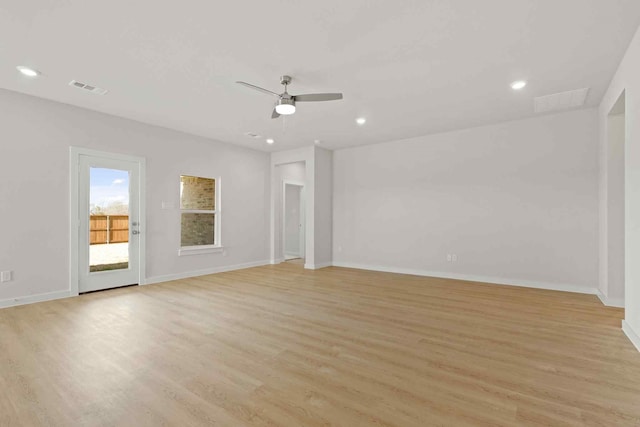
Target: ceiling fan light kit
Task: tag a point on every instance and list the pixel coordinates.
(286, 104)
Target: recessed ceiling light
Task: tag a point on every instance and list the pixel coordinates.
(29, 72)
(361, 121)
(317, 141)
(517, 85)
(270, 141)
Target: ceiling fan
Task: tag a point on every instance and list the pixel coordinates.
(286, 103)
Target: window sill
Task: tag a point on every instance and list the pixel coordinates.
(199, 250)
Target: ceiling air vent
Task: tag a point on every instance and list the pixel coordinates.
(89, 88)
(561, 101)
(252, 135)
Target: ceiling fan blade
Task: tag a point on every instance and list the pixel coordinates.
(275, 114)
(258, 88)
(313, 97)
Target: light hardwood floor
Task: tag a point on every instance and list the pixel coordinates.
(281, 346)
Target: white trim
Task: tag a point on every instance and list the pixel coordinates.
(611, 302)
(30, 299)
(319, 266)
(74, 220)
(631, 334)
(142, 214)
(472, 278)
(195, 273)
(276, 261)
(199, 250)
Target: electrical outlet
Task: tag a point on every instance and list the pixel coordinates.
(5, 276)
(449, 257)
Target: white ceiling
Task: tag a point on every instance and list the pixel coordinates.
(409, 67)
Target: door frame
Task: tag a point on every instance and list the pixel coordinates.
(303, 233)
(74, 218)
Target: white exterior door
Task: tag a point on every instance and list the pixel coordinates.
(109, 221)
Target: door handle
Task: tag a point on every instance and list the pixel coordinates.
(134, 232)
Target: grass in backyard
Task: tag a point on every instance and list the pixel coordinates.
(108, 267)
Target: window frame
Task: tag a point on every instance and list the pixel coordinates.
(217, 221)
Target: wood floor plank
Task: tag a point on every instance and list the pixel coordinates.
(284, 346)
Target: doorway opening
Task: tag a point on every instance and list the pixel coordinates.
(293, 221)
(291, 234)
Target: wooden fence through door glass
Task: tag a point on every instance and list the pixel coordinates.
(108, 229)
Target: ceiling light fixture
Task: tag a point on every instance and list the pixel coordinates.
(270, 141)
(29, 72)
(361, 121)
(285, 106)
(317, 142)
(520, 84)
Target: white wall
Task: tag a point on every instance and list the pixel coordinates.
(35, 136)
(627, 79)
(323, 207)
(292, 172)
(517, 202)
(613, 288)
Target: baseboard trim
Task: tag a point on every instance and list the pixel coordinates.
(472, 278)
(50, 296)
(611, 302)
(30, 299)
(276, 261)
(318, 265)
(204, 272)
(631, 334)
(11, 302)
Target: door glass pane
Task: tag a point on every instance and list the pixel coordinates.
(108, 219)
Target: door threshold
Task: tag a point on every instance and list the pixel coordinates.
(108, 289)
